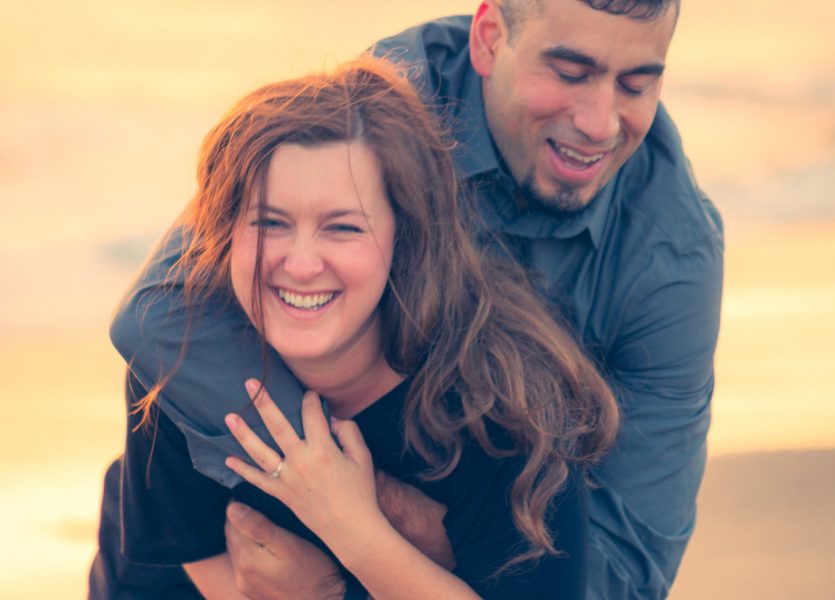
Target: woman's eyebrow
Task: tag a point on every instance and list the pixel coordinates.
(333, 214)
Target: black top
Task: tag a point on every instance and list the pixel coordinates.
(179, 518)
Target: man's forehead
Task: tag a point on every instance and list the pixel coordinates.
(640, 10)
(650, 13)
(601, 35)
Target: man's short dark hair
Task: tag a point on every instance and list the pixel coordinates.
(642, 10)
(515, 11)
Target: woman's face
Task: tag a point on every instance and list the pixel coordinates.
(328, 242)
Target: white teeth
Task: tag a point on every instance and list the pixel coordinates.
(312, 302)
(587, 160)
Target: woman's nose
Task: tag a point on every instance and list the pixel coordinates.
(303, 262)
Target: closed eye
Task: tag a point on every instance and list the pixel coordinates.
(344, 228)
(638, 82)
(631, 91)
(572, 78)
(268, 223)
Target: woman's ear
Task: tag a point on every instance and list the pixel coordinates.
(486, 33)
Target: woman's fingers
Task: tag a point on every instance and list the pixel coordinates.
(277, 424)
(264, 456)
(316, 428)
(350, 439)
(258, 477)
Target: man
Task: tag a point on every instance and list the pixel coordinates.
(579, 171)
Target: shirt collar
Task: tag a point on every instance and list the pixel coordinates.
(595, 215)
(503, 214)
(474, 152)
(476, 155)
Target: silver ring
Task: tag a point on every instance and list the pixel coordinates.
(277, 471)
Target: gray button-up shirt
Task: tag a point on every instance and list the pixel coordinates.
(639, 275)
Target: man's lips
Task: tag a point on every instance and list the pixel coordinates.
(574, 164)
(575, 156)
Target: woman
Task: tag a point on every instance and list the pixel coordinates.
(327, 208)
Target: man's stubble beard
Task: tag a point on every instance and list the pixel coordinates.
(566, 201)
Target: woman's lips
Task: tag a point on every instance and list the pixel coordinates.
(311, 302)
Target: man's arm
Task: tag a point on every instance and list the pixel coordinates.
(214, 578)
(272, 564)
(201, 354)
(417, 517)
(661, 367)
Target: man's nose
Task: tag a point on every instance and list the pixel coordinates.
(303, 261)
(596, 114)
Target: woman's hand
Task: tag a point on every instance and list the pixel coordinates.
(331, 490)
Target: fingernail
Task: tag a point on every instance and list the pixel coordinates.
(252, 386)
(231, 420)
(237, 511)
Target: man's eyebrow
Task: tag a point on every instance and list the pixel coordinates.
(574, 56)
(648, 69)
(567, 54)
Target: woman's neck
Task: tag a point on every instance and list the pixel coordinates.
(351, 383)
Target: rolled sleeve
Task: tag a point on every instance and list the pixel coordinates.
(661, 369)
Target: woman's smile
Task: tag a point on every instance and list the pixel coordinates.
(326, 233)
(306, 301)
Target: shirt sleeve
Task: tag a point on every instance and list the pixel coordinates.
(201, 353)
(483, 536)
(171, 514)
(661, 368)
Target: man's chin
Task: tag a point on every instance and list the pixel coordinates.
(564, 199)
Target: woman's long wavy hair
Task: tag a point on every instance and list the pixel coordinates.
(465, 326)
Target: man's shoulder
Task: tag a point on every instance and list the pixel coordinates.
(436, 57)
(416, 43)
(659, 198)
(432, 51)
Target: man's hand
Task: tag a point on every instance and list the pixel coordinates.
(417, 517)
(271, 563)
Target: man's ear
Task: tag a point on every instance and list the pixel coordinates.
(486, 32)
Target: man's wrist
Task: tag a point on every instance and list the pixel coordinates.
(338, 588)
(417, 517)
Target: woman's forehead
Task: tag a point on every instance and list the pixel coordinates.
(335, 177)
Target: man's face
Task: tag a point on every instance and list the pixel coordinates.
(571, 95)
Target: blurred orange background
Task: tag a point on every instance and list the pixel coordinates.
(103, 106)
